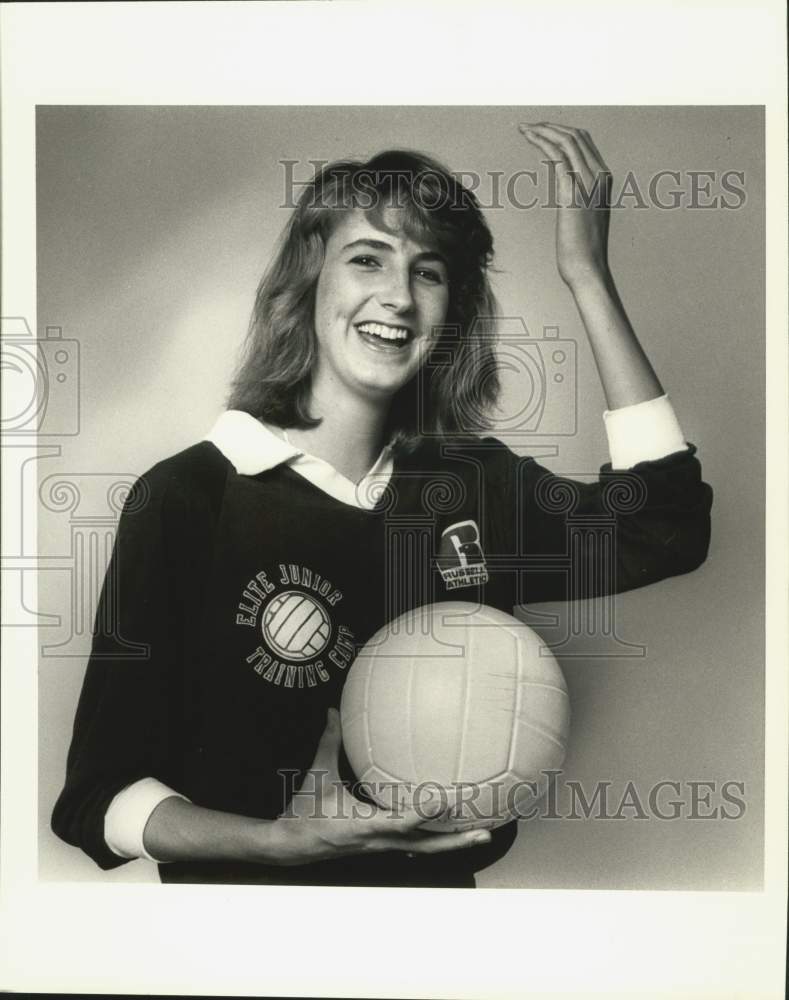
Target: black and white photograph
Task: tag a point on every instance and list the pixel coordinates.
(385, 514)
(388, 460)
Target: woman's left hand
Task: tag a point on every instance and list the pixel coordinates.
(583, 187)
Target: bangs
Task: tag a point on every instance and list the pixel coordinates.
(433, 208)
(414, 221)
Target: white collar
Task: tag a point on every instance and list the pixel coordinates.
(252, 448)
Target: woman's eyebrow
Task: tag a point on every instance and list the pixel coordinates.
(375, 244)
(381, 245)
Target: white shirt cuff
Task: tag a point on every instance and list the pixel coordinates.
(643, 432)
(128, 814)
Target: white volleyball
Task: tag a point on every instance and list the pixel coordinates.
(460, 701)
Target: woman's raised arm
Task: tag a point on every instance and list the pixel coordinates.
(583, 185)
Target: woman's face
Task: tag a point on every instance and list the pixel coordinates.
(379, 298)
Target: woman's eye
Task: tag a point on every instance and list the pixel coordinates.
(434, 277)
(369, 263)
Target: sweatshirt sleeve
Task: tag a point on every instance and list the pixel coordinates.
(643, 431)
(128, 719)
(631, 527)
(128, 815)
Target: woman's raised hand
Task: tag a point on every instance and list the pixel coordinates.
(583, 187)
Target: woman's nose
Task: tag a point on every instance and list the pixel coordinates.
(396, 291)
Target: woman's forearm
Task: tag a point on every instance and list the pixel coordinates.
(181, 831)
(322, 822)
(625, 371)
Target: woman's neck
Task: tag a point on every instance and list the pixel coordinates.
(350, 436)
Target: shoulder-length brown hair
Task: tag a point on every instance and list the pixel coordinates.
(458, 384)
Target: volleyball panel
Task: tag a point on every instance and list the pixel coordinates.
(388, 720)
(535, 750)
(435, 717)
(546, 705)
(492, 652)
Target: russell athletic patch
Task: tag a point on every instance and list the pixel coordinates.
(461, 560)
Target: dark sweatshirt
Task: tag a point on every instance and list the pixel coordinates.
(196, 679)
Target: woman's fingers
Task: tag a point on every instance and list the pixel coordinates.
(398, 830)
(568, 143)
(579, 138)
(552, 150)
(434, 843)
(591, 144)
(573, 149)
(404, 820)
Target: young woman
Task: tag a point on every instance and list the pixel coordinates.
(347, 482)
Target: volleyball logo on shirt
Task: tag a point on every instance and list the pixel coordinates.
(461, 560)
(296, 626)
(291, 611)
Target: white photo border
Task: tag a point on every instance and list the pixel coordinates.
(231, 940)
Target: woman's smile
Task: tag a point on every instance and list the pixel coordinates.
(385, 337)
(381, 296)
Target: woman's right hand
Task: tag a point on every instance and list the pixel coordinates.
(324, 820)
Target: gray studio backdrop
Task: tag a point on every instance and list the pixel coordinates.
(153, 227)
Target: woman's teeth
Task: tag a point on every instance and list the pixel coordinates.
(392, 333)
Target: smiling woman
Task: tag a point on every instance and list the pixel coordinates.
(396, 241)
(351, 452)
